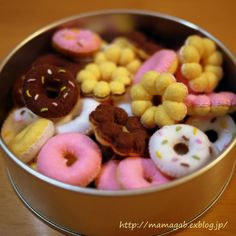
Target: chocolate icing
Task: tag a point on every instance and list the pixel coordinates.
(125, 135)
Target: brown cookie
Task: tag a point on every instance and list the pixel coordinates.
(113, 128)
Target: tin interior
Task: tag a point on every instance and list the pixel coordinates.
(169, 31)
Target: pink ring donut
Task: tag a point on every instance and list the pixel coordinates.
(76, 42)
(71, 158)
(107, 179)
(138, 172)
(165, 60)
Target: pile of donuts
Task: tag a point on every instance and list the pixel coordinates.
(121, 114)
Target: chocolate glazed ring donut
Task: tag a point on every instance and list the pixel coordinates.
(50, 91)
(113, 128)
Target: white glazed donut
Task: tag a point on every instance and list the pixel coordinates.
(179, 150)
(127, 107)
(220, 130)
(81, 123)
(16, 121)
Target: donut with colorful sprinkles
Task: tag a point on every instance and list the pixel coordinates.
(50, 91)
(179, 150)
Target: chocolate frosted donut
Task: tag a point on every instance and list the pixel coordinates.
(113, 128)
(142, 41)
(57, 60)
(17, 91)
(50, 91)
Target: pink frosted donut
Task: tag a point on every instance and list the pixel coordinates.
(107, 179)
(164, 60)
(138, 172)
(71, 158)
(76, 42)
(213, 104)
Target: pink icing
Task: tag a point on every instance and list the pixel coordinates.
(76, 40)
(107, 179)
(223, 98)
(197, 100)
(52, 160)
(159, 62)
(198, 141)
(138, 172)
(219, 99)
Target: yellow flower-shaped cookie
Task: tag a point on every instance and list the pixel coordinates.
(122, 53)
(201, 63)
(104, 79)
(159, 100)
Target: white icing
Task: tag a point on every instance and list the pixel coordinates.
(81, 123)
(172, 163)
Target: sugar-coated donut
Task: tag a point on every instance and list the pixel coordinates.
(179, 150)
(75, 42)
(81, 122)
(107, 179)
(16, 121)
(50, 91)
(201, 64)
(113, 128)
(220, 130)
(72, 158)
(213, 104)
(139, 172)
(164, 60)
(158, 99)
(26, 144)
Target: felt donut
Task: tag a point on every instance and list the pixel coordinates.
(179, 150)
(105, 80)
(144, 44)
(26, 144)
(213, 104)
(17, 95)
(75, 42)
(59, 61)
(201, 64)
(122, 52)
(50, 91)
(71, 158)
(139, 172)
(113, 128)
(81, 122)
(164, 60)
(107, 178)
(220, 130)
(158, 99)
(16, 121)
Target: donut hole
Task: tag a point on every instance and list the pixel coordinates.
(52, 89)
(181, 148)
(156, 100)
(70, 158)
(148, 179)
(212, 135)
